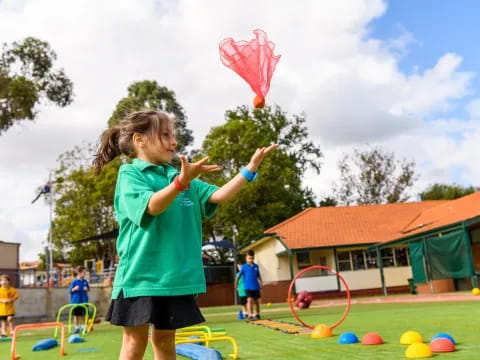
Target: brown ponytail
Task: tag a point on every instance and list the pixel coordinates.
(118, 139)
(108, 148)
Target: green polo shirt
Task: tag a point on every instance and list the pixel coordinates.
(159, 255)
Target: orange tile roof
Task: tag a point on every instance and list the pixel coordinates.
(349, 225)
(451, 212)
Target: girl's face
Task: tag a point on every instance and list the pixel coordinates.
(158, 150)
(4, 282)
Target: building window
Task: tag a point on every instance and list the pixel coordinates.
(358, 259)
(387, 257)
(372, 260)
(401, 257)
(303, 259)
(344, 261)
(361, 259)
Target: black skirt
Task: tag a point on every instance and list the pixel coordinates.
(164, 312)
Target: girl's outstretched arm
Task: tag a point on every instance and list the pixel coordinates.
(230, 189)
(163, 198)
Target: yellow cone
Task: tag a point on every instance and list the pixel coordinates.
(321, 331)
(410, 337)
(418, 351)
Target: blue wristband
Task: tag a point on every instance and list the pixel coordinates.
(247, 174)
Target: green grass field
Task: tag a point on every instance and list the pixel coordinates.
(460, 319)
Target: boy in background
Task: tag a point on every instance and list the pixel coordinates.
(252, 281)
(78, 295)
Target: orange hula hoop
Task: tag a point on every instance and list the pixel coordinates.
(290, 290)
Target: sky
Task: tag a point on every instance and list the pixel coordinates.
(398, 74)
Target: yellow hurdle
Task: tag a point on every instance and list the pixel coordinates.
(205, 336)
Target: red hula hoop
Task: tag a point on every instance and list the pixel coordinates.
(290, 289)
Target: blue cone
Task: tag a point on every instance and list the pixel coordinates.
(75, 339)
(445, 336)
(348, 338)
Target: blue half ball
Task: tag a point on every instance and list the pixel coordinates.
(445, 336)
(348, 338)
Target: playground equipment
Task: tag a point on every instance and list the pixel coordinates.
(372, 339)
(418, 351)
(75, 339)
(283, 326)
(444, 335)
(304, 299)
(292, 284)
(410, 337)
(321, 331)
(348, 338)
(203, 334)
(197, 352)
(45, 345)
(442, 345)
(94, 266)
(88, 324)
(18, 328)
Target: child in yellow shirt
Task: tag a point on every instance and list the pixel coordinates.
(8, 295)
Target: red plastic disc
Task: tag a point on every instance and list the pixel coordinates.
(290, 289)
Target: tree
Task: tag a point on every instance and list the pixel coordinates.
(26, 78)
(328, 201)
(148, 94)
(446, 192)
(277, 194)
(84, 207)
(373, 176)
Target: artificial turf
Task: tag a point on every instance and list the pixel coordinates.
(459, 319)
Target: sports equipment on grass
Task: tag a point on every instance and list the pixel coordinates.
(292, 285)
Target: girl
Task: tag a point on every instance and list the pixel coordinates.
(8, 295)
(159, 212)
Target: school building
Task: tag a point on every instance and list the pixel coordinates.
(375, 248)
(9, 261)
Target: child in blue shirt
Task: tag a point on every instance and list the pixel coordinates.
(252, 282)
(78, 295)
(242, 296)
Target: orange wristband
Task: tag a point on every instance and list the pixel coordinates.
(179, 187)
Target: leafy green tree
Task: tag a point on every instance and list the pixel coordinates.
(328, 201)
(26, 78)
(277, 194)
(149, 94)
(446, 192)
(373, 176)
(84, 207)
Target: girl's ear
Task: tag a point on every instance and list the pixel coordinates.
(138, 140)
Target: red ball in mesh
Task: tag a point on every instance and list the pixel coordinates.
(303, 300)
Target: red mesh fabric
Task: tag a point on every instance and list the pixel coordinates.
(253, 60)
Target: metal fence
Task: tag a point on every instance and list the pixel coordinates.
(214, 274)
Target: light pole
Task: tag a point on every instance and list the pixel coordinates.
(50, 245)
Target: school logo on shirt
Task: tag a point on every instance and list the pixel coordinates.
(185, 200)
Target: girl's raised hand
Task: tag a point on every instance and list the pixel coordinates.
(259, 155)
(190, 171)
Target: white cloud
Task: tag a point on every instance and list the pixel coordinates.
(349, 84)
